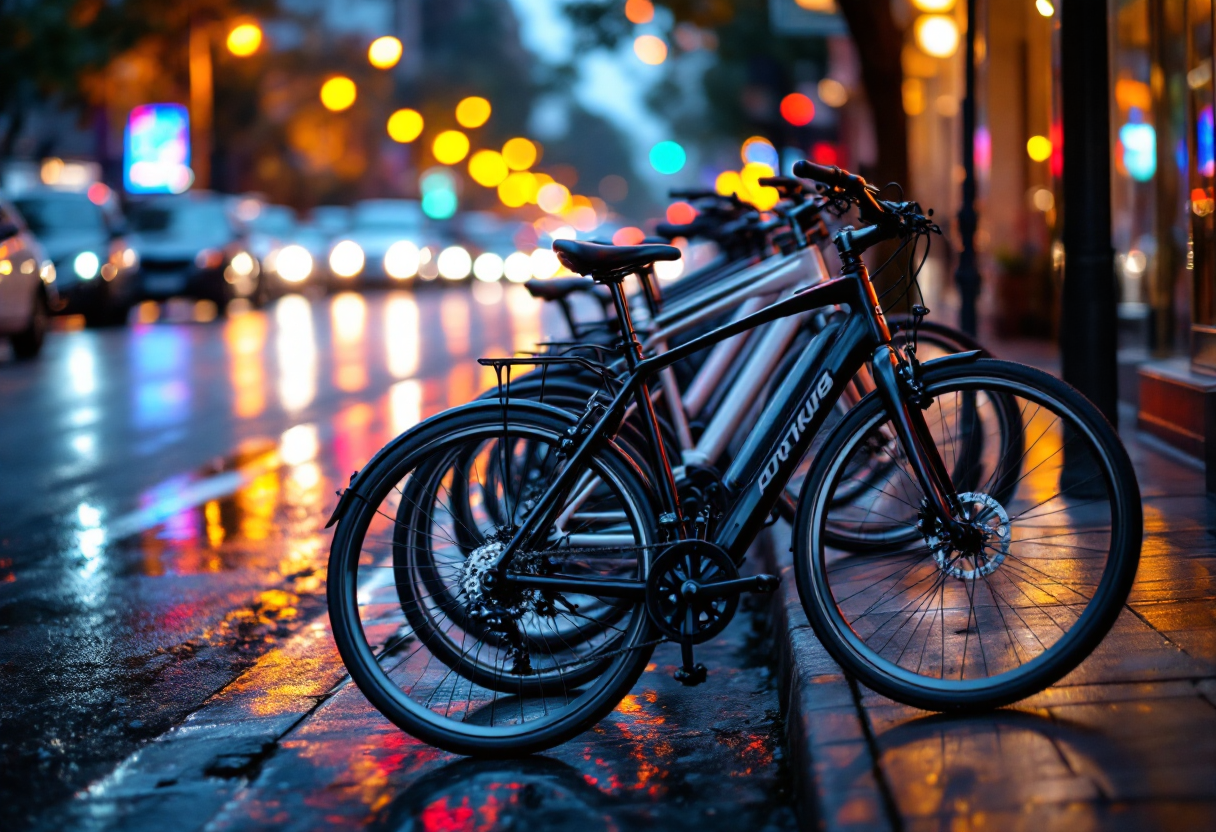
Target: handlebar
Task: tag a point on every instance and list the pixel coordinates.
(849, 184)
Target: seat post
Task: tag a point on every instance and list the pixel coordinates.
(633, 354)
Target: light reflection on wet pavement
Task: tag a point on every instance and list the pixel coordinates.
(164, 494)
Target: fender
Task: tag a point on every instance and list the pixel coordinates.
(951, 360)
(359, 479)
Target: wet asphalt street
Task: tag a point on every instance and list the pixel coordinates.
(164, 647)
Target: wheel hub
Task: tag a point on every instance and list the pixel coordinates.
(982, 547)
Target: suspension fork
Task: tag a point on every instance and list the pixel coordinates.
(913, 432)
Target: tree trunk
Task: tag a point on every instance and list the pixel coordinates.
(879, 41)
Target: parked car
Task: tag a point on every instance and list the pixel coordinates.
(97, 271)
(382, 244)
(27, 291)
(190, 245)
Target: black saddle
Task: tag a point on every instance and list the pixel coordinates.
(558, 288)
(610, 263)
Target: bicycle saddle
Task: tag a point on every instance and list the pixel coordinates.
(558, 288)
(610, 263)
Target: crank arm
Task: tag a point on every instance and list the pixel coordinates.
(756, 583)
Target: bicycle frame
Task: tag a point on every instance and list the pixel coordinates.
(789, 423)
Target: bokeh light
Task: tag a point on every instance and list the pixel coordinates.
(401, 261)
(639, 11)
(338, 93)
(667, 157)
(519, 153)
(933, 5)
(244, 39)
(385, 52)
(553, 198)
(439, 200)
(518, 267)
(473, 111)
(1038, 148)
(346, 259)
(544, 263)
(797, 109)
(681, 213)
(450, 147)
(294, 263)
(650, 49)
(728, 183)
(628, 236)
(488, 168)
(518, 189)
(1045, 8)
(405, 125)
(751, 190)
(832, 92)
(937, 35)
(454, 263)
(488, 267)
(759, 150)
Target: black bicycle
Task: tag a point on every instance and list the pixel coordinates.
(502, 572)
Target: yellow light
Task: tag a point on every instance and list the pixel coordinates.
(1038, 148)
(639, 11)
(405, 125)
(488, 168)
(450, 147)
(473, 112)
(727, 183)
(384, 52)
(933, 5)
(338, 93)
(833, 93)
(821, 6)
(553, 198)
(1045, 8)
(937, 35)
(520, 154)
(518, 189)
(762, 198)
(244, 39)
(650, 49)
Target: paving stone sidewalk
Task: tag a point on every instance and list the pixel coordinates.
(1126, 741)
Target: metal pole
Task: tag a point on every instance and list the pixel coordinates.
(967, 276)
(1088, 335)
(201, 103)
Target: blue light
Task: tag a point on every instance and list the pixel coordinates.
(439, 204)
(156, 150)
(1205, 142)
(667, 157)
(761, 152)
(1139, 150)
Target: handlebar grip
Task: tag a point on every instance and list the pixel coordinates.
(832, 175)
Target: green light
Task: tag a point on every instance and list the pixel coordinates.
(439, 204)
(667, 157)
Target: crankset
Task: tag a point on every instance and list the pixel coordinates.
(692, 593)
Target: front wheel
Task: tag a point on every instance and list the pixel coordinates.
(1049, 548)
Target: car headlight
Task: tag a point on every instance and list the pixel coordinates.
(401, 260)
(209, 258)
(243, 264)
(346, 259)
(86, 265)
(47, 273)
(294, 263)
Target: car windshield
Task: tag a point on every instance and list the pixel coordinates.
(274, 220)
(181, 218)
(48, 216)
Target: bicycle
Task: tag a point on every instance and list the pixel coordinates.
(501, 615)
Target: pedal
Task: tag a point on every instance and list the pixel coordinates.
(692, 673)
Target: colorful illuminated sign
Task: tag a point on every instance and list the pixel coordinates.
(156, 150)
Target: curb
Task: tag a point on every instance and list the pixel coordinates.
(837, 782)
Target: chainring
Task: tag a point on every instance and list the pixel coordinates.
(675, 607)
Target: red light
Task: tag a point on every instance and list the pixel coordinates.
(681, 213)
(824, 153)
(98, 193)
(797, 109)
(628, 236)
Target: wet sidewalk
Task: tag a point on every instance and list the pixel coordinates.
(1126, 741)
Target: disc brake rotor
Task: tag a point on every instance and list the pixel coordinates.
(989, 518)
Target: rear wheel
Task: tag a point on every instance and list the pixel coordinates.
(1051, 541)
(482, 671)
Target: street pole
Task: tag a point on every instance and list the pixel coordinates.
(1087, 317)
(202, 101)
(967, 276)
